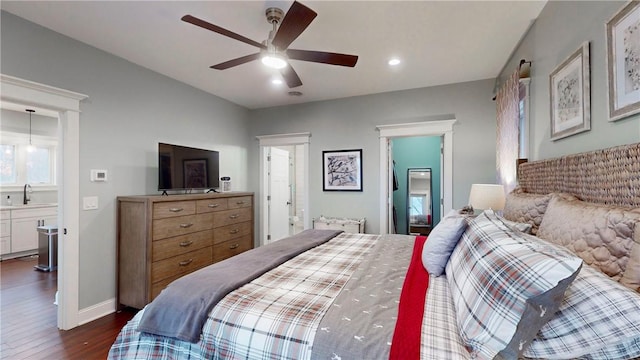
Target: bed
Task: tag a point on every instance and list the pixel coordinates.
(557, 275)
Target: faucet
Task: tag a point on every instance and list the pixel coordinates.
(26, 197)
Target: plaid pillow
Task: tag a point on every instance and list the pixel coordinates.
(598, 319)
(504, 288)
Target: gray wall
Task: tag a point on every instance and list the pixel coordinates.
(351, 124)
(129, 110)
(560, 30)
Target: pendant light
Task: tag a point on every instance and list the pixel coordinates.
(30, 148)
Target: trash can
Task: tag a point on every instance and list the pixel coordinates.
(47, 248)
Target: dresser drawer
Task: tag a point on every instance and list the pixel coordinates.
(231, 247)
(181, 264)
(239, 202)
(166, 248)
(229, 217)
(181, 225)
(172, 209)
(224, 233)
(209, 205)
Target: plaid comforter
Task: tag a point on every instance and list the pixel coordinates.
(278, 315)
(274, 316)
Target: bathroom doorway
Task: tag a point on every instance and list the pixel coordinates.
(284, 185)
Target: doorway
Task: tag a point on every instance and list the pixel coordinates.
(441, 128)
(66, 105)
(284, 185)
(410, 154)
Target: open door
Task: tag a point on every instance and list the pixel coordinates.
(279, 194)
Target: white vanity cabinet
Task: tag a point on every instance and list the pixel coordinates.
(5, 232)
(24, 227)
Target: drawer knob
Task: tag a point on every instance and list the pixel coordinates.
(176, 209)
(234, 231)
(234, 246)
(241, 202)
(213, 205)
(184, 226)
(185, 262)
(234, 216)
(186, 243)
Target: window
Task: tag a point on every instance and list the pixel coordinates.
(523, 123)
(8, 165)
(21, 164)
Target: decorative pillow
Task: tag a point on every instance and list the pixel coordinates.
(441, 241)
(598, 318)
(526, 208)
(603, 236)
(505, 288)
(522, 227)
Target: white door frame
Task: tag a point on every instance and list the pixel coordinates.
(442, 128)
(281, 140)
(67, 105)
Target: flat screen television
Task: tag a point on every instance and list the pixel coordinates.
(187, 168)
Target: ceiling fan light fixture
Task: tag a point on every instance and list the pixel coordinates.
(274, 61)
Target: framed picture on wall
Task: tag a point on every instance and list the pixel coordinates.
(623, 62)
(342, 170)
(569, 88)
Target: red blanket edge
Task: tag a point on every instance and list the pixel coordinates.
(407, 334)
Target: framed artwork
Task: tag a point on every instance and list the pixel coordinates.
(195, 173)
(623, 62)
(342, 170)
(569, 88)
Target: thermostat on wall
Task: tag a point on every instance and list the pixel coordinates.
(98, 175)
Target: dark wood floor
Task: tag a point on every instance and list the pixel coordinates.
(28, 319)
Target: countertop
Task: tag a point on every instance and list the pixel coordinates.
(28, 206)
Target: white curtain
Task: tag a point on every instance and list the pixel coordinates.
(507, 101)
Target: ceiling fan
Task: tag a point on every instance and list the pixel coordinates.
(274, 51)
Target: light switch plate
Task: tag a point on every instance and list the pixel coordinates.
(90, 203)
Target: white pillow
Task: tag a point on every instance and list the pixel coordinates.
(441, 241)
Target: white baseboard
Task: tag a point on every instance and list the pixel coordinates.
(96, 311)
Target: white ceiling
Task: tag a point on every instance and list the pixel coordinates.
(439, 42)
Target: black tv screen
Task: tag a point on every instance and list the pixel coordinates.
(187, 168)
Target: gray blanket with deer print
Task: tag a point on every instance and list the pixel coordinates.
(360, 322)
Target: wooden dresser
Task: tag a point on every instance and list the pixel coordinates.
(161, 238)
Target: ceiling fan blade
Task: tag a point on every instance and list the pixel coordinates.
(290, 76)
(236, 62)
(222, 31)
(323, 57)
(295, 21)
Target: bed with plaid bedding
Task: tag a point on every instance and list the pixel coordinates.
(279, 315)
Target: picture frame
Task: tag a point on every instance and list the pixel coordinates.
(195, 173)
(623, 62)
(342, 170)
(570, 92)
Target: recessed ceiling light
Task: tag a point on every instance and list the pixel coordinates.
(394, 61)
(276, 81)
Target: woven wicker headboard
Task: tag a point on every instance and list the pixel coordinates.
(609, 176)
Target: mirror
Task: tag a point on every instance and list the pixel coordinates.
(419, 209)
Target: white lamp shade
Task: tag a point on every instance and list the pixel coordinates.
(487, 196)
